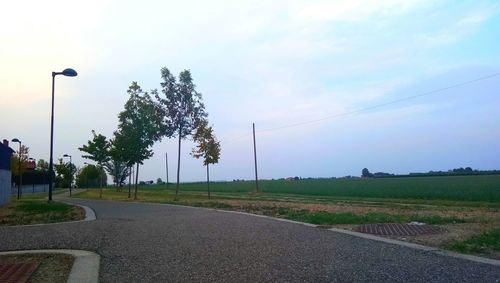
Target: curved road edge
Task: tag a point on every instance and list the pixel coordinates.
(434, 250)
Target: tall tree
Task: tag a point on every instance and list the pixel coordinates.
(97, 149)
(182, 109)
(206, 147)
(138, 129)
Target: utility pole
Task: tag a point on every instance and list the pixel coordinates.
(166, 166)
(255, 158)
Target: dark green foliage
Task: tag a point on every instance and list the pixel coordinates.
(34, 207)
(483, 243)
(64, 174)
(446, 188)
(138, 129)
(97, 149)
(88, 177)
(365, 173)
(328, 218)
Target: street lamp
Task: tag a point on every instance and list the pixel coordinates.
(70, 173)
(32, 181)
(69, 73)
(19, 172)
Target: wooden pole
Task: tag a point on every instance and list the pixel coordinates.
(166, 166)
(255, 158)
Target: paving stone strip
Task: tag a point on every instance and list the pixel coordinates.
(17, 272)
(398, 229)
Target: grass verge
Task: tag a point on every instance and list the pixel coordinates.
(329, 218)
(26, 212)
(54, 267)
(484, 243)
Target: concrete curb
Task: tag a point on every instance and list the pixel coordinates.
(89, 212)
(85, 267)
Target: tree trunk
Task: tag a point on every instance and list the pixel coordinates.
(136, 179)
(208, 181)
(129, 179)
(178, 165)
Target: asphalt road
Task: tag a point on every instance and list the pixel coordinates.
(162, 243)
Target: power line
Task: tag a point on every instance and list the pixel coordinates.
(382, 104)
(371, 107)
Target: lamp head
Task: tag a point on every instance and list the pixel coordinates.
(16, 140)
(66, 155)
(69, 72)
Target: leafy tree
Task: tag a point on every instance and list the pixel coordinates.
(42, 165)
(14, 161)
(97, 149)
(90, 176)
(159, 181)
(117, 169)
(64, 172)
(365, 173)
(181, 108)
(138, 129)
(207, 147)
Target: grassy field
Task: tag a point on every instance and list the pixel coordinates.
(469, 190)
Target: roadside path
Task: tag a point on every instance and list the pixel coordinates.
(141, 242)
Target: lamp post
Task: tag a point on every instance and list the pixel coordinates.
(70, 173)
(32, 181)
(19, 168)
(69, 73)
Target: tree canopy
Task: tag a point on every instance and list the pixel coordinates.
(181, 109)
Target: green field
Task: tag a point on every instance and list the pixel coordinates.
(485, 188)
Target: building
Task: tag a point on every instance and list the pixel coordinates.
(5, 174)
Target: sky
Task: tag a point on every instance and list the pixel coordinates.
(332, 86)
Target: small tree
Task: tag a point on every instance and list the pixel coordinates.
(98, 150)
(207, 147)
(138, 129)
(182, 109)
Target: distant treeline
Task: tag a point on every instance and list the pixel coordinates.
(454, 172)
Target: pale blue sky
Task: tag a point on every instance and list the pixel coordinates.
(275, 63)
